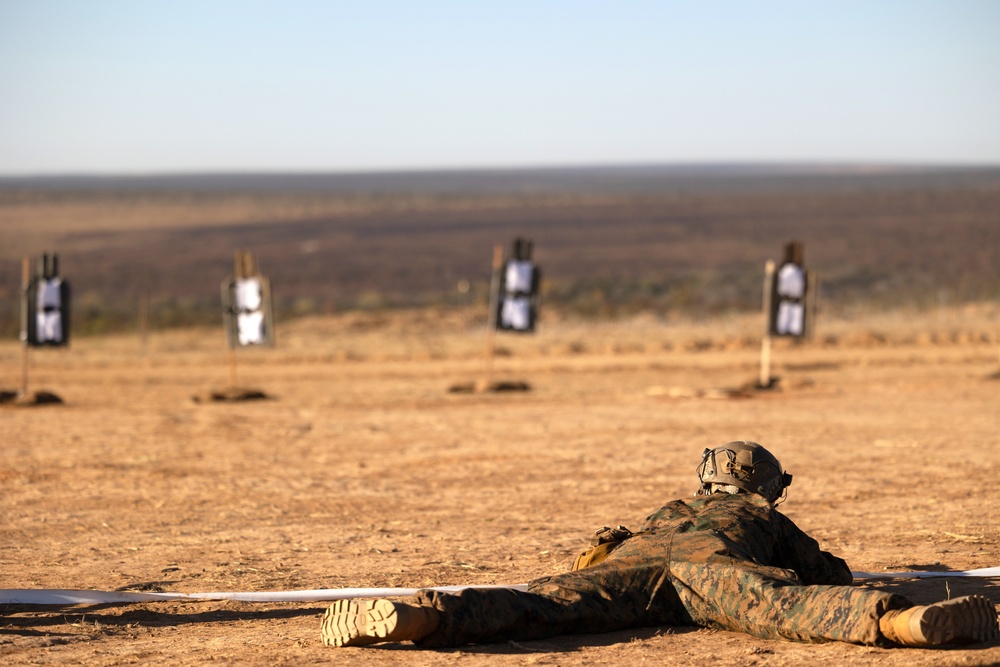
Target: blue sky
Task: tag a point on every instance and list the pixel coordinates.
(128, 86)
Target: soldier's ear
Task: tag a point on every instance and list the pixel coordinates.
(786, 479)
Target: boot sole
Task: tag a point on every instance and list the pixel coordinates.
(358, 622)
(970, 619)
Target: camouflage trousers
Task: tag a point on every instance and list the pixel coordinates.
(653, 580)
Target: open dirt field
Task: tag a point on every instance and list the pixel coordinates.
(364, 471)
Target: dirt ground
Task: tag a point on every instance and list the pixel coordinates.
(363, 470)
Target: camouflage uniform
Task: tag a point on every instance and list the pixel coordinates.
(724, 561)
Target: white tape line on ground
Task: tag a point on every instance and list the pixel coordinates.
(56, 596)
(67, 596)
(981, 572)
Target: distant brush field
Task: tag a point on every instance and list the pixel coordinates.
(610, 242)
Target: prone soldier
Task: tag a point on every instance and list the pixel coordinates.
(724, 559)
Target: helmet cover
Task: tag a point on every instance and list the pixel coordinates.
(742, 466)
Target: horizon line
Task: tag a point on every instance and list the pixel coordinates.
(811, 166)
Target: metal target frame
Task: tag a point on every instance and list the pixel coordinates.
(247, 311)
(517, 299)
(523, 289)
(45, 304)
(789, 305)
(45, 317)
(789, 314)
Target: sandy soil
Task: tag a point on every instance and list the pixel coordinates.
(365, 471)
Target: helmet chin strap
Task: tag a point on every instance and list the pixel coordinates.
(709, 489)
(725, 488)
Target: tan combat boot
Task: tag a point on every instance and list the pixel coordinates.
(965, 620)
(364, 622)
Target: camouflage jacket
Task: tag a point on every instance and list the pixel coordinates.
(750, 529)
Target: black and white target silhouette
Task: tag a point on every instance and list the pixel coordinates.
(789, 291)
(518, 298)
(246, 299)
(45, 306)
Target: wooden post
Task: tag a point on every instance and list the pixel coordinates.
(231, 358)
(25, 280)
(812, 297)
(143, 317)
(494, 307)
(239, 263)
(764, 381)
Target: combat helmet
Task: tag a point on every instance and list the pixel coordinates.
(742, 467)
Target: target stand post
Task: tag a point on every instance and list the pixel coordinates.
(142, 315)
(789, 306)
(25, 279)
(248, 318)
(513, 306)
(764, 380)
(45, 322)
(491, 326)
